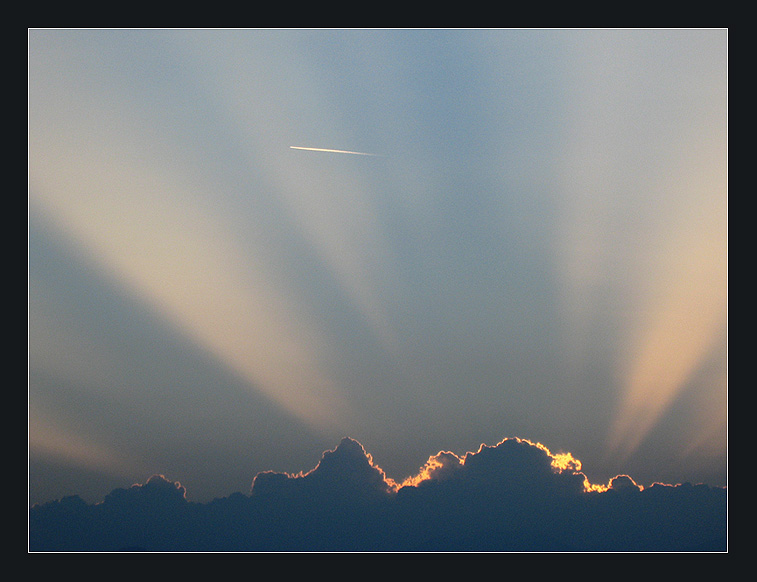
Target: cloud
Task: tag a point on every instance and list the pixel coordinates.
(513, 496)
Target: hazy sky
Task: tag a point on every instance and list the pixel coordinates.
(539, 250)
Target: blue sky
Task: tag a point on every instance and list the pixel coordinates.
(540, 250)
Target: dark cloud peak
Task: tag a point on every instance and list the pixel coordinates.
(346, 471)
(158, 491)
(513, 496)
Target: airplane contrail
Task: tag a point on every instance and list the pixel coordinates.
(332, 151)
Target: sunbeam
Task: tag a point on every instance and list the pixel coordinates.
(516, 232)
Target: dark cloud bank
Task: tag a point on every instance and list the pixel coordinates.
(515, 496)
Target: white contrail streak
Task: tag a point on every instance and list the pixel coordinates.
(332, 151)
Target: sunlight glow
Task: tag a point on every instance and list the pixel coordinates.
(685, 311)
(643, 251)
(137, 220)
(445, 464)
(436, 467)
(565, 462)
(47, 440)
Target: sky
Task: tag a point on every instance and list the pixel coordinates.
(537, 248)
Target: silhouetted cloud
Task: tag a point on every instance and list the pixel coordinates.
(514, 496)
